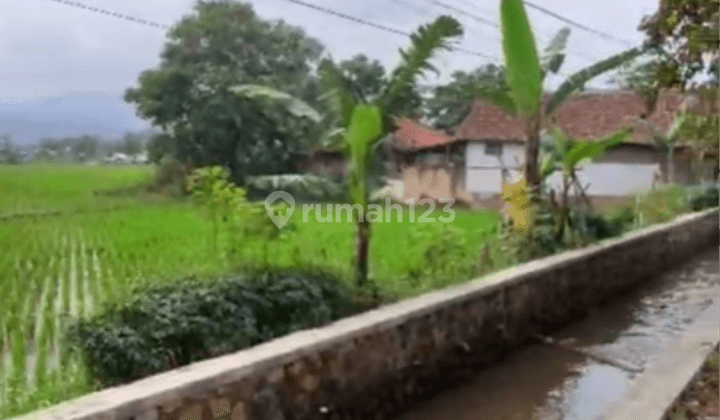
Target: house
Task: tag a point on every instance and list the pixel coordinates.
(118, 157)
(487, 149)
(429, 162)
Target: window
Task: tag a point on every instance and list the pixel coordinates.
(493, 149)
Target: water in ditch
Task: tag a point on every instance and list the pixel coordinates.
(567, 381)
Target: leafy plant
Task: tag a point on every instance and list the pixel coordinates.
(219, 197)
(535, 235)
(703, 197)
(176, 323)
(170, 177)
(658, 205)
(566, 156)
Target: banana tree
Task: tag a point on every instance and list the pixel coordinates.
(566, 156)
(363, 124)
(525, 71)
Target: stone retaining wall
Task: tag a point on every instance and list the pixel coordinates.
(374, 364)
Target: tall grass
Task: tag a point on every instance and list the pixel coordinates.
(52, 186)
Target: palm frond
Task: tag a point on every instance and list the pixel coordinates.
(578, 80)
(426, 41)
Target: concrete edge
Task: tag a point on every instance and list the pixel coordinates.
(165, 387)
(656, 390)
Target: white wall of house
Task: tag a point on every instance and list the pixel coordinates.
(484, 167)
(613, 178)
(606, 178)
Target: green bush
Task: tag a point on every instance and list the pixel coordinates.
(170, 177)
(539, 240)
(703, 197)
(176, 323)
(592, 226)
(659, 205)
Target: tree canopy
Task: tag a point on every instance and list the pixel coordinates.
(450, 102)
(686, 34)
(223, 44)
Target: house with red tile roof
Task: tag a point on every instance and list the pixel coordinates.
(487, 149)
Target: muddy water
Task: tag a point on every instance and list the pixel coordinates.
(566, 381)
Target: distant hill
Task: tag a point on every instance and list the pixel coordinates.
(104, 115)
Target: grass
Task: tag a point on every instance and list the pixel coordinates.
(58, 268)
(51, 186)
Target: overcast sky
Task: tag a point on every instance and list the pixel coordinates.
(49, 48)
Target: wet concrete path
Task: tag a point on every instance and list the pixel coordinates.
(597, 358)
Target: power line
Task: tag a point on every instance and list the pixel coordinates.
(112, 14)
(473, 16)
(381, 27)
(302, 3)
(577, 24)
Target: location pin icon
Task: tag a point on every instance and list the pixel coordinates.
(280, 217)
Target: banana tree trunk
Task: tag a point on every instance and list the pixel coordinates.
(363, 241)
(532, 150)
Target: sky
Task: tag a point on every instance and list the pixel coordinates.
(52, 49)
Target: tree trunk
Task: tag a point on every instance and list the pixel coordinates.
(671, 165)
(363, 241)
(532, 173)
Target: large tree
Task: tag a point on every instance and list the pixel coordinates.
(9, 152)
(220, 45)
(686, 34)
(366, 79)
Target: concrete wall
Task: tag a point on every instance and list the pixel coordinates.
(483, 170)
(620, 172)
(374, 364)
(436, 182)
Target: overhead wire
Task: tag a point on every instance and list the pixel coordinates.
(577, 24)
(496, 25)
(381, 27)
(396, 31)
(111, 13)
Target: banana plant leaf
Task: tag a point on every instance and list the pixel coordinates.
(522, 66)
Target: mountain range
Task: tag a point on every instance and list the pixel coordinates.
(104, 115)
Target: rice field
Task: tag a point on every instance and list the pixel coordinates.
(56, 269)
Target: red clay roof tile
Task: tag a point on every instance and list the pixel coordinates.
(411, 134)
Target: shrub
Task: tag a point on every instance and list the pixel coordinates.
(659, 205)
(703, 197)
(591, 226)
(176, 323)
(538, 239)
(170, 177)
